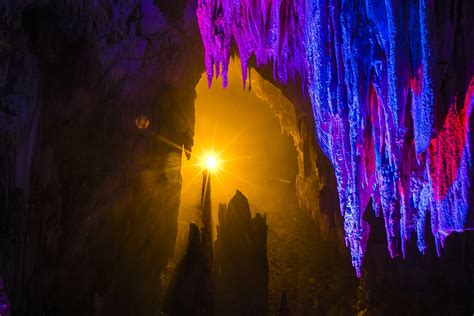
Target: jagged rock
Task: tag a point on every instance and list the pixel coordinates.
(241, 265)
(240, 269)
(191, 288)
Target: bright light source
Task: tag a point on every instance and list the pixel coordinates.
(211, 162)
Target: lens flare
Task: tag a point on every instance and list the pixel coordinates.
(211, 162)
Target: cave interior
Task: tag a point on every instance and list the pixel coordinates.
(236, 157)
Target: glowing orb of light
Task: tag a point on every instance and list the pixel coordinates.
(211, 162)
(142, 122)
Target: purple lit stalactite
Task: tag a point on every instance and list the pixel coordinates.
(371, 71)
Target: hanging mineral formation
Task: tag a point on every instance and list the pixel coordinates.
(391, 86)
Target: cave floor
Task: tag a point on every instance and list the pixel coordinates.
(291, 241)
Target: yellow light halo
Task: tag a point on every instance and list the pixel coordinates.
(210, 161)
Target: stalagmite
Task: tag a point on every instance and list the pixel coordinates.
(241, 264)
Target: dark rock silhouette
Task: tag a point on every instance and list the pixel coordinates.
(240, 276)
(190, 291)
(241, 266)
(393, 286)
(206, 215)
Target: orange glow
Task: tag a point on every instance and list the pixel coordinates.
(238, 142)
(211, 162)
(239, 139)
(142, 122)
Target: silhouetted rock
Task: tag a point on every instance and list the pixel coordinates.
(191, 291)
(241, 266)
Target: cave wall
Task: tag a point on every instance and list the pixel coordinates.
(315, 176)
(88, 199)
(327, 284)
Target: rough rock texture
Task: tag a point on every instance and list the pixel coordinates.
(89, 200)
(308, 183)
(311, 263)
(232, 279)
(86, 223)
(241, 264)
(191, 290)
(420, 284)
(391, 87)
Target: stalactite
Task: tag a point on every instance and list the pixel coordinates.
(373, 74)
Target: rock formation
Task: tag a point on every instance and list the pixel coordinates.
(241, 265)
(88, 200)
(235, 282)
(191, 290)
